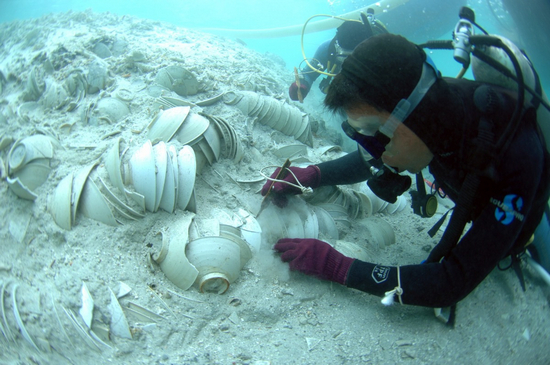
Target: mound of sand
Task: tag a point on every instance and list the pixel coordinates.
(268, 315)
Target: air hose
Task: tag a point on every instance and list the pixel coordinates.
(302, 41)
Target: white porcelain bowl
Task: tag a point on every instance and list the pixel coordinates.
(143, 175)
(218, 261)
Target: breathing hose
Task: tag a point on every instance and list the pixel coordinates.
(302, 41)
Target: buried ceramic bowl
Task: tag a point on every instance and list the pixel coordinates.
(28, 149)
(28, 165)
(112, 108)
(352, 250)
(178, 79)
(218, 260)
(381, 232)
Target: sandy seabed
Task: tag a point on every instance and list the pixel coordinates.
(269, 315)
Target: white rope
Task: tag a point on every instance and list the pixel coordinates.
(389, 295)
(303, 189)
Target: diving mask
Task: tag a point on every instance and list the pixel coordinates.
(375, 145)
(375, 142)
(340, 52)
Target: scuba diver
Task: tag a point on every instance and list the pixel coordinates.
(329, 56)
(496, 169)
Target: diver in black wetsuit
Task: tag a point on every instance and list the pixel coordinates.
(330, 54)
(453, 129)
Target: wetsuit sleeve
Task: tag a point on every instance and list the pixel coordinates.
(348, 169)
(493, 233)
(321, 55)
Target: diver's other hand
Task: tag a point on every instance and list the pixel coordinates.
(314, 257)
(307, 176)
(293, 90)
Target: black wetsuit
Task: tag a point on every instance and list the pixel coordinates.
(508, 207)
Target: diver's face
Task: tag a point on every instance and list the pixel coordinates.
(405, 151)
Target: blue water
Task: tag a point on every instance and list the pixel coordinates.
(418, 20)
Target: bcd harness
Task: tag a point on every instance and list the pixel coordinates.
(480, 170)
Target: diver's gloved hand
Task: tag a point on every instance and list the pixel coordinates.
(307, 176)
(315, 258)
(293, 90)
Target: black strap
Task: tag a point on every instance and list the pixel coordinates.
(481, 165)
(366, 24)
(517, 269)
(459, 218)
(432, 232)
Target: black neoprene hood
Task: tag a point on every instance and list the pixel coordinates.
(350, 34)
(386, 68)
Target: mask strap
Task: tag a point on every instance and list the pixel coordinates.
(405, 106)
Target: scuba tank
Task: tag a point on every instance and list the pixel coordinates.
(498, 61)
(483, 72)
(502, 66)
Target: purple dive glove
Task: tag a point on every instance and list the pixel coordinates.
(309, 177)
(293, 90)
(315, 258)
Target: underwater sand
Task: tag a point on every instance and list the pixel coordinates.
(269, 315)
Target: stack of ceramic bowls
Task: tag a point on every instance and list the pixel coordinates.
(343, 204)
(210, 141)
(35, 85)
(350, 203)
(55, 96)
(77, 192)
(378, 205)
(162, 178)
(398, 206)
(29, 165)
(231, 146)
(296, 220)
(272, 112)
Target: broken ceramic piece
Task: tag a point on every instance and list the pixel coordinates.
(119, 324)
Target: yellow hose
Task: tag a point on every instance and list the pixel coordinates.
(380, 6)
(302, 40)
